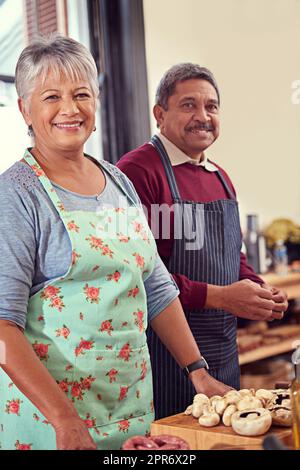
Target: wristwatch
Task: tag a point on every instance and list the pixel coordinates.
(200, 364)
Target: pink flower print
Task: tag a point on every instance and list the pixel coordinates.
(123, 238)
(13, 407)
(145, 237)
(144, 369)
(139, 320)
(125, 323)
(50, 292)
(125, 352)
(57, 302)
(92, 294)
(64, 332)
(41, 350)
(81, 317)
(64, 385)
(138, 227)
(95, 268)
(37, 170)
(99, 397)
(91, 422)
(106, 251)
(138, 394)
(36, 417)
(69, 367)
(20, 446)
(95, 242)
(139, 260)
(84, 346)
(41, 318)
(73, 227)
(119, 210)
(112, 374)
(133, 292)
(75, 256)
(11, 385)
(86, 383)
(124, 425)
(99, 358)
(76, 391)
(123, 393)
(116, 302)
(106, 326)
(61, 206)
(114, 277)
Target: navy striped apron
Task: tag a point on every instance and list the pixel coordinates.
(213, 257)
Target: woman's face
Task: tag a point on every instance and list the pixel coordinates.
(61, 113)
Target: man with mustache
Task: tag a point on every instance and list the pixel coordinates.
(203, 251)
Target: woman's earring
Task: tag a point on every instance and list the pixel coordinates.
(30, 131)
(94, 129)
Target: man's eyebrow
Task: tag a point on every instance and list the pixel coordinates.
(187, 98)
(212, 101)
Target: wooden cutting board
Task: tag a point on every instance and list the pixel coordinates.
(218, 437)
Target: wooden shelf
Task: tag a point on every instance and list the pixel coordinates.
(290, 283)
(262, 352)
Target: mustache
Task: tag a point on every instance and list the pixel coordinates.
(201, 126)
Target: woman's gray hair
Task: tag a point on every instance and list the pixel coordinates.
(180, 73)
(58, 54)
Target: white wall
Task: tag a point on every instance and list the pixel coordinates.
(253, 49)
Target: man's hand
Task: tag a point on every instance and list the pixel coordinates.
(205, 383)
(72, 434)
(245, 299)
(280, 299)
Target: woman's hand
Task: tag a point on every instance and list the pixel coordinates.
(72, 434)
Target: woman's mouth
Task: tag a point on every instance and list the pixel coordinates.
(68, 125)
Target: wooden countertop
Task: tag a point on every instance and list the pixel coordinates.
(218, 438)
(290, 282)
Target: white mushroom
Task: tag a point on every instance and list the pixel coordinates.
(197, 409)
(232, 397)
(281, 416)
(200, 397)
(209, 418)
(220, 406)
(189, 409)
(264, 395)
(249, 402)
(227, 414)
(251, 422)
(214, 398)
(247, 392)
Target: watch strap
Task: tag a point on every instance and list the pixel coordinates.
(200, 364)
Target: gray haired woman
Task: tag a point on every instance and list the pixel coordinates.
(80, 276)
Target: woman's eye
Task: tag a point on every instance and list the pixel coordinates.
(82, 95)
(51, 97)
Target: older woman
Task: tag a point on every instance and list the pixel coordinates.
(77, 262)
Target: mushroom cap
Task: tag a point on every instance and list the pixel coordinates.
(264, 394)
(200, 397)
(189, 409)
(281, 416)
(252, 422)
(249, 402)
(247, 391)
(232, 397)
(209, 418)
(227, 414)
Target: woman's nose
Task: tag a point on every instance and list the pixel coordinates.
(69, 107)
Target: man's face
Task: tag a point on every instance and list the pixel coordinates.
(191, 121)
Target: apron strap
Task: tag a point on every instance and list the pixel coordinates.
(168, 167)
(225, 184)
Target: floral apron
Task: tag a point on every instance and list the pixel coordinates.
(88, 329)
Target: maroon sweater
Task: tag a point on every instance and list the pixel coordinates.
(144, 168)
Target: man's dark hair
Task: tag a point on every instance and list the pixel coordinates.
(180, 73)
